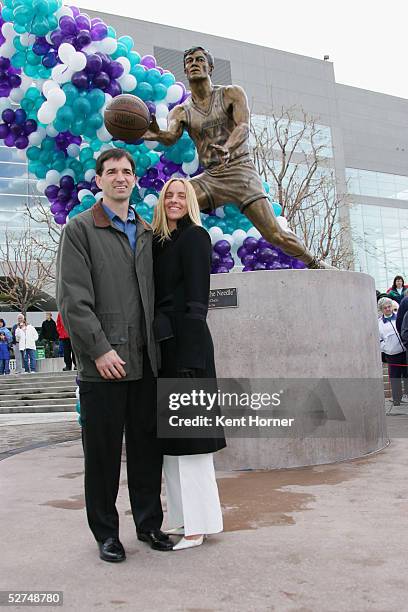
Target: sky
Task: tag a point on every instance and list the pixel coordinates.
(366, 41)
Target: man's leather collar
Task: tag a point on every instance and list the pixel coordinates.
(101, 219)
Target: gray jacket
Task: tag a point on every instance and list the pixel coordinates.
(105, 292)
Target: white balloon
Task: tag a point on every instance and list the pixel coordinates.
(52, 177)
(41, 186)
(64, 10)
(57, 97)
(161, 111)
(150, 200)
(216, 234)
(27, 39)
(128, 82)
(125, 63)
(66, 52)
(48, 86)
(190, 167)
(61, 73)
(4, 103)
(103, 134)
(84, 192)
(283, 222)
(46, 113)
(89, 174)
(51, 131)
(16, 94)
(68, 172)
(253, 232)
(73, 150)
(7, 49)
(151, 144)
(220, 213)
(228, 238)
(48, 37)
(162, 123)
(7, 29)
(239, 236)
(77, 62)
(108, 45)
(37, 137)
(98, 196)
(174, 93)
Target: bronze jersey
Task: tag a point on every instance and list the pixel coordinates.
(211, 127)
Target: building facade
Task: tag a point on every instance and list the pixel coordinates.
(366, 134)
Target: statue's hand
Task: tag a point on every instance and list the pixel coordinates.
(222, 152)
(153, 130)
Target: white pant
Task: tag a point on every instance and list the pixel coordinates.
(192, 494)
(19, 363)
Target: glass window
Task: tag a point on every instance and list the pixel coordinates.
(377, 184)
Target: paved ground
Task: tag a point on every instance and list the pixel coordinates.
(324, 539)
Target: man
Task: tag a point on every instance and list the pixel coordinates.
(49, 334)
(16, 350)
(217, 119)
(69, 355)
(105, 294)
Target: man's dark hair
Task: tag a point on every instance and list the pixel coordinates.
(207, 54)
(113, 154)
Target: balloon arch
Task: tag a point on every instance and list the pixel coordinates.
(60, 68)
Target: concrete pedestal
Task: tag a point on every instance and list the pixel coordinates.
(303, 324)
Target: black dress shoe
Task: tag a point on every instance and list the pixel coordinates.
(111, 550)
(156, 538)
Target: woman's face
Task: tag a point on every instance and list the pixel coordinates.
(398, 283)
(387, 310)
(175, 203)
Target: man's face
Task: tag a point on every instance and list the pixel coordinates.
(20, 319)
(387, 310)
(117, 180)
(48, 316)
(196, 66)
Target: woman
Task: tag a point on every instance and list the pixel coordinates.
(5, 330)
(26, 336)
(182, 265)
(392, 348)
(397, 290)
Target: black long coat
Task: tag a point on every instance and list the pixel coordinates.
(182, 267)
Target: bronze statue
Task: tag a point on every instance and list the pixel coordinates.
(217, 120)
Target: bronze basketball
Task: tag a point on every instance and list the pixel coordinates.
(127, 118)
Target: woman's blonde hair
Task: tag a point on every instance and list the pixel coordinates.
(160, 225)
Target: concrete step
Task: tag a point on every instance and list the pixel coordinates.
(38, 402)
(51, 376)
(31, 381)
(37, 390)
(10, 400)
(38, 418)
(40, 408)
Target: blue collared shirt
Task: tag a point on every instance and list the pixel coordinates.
(128, 227)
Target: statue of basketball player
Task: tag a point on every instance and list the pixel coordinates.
(217, 120)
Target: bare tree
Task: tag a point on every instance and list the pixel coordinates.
(290, 151)
(27, 269)
(48, 235)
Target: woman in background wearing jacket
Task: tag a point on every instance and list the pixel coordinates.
(182, 266)
(393, 348)
(26, 336)
(396, 292)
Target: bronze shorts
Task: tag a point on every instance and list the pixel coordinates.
(236, 183)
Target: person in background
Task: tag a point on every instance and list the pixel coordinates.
(397, 290)
(5, 330)
(393, 349)
(16, 350)
(27, 335)
(4, 354)
(69, 356)
(48, 334)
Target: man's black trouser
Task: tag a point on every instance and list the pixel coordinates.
(107, 408)
(69, 356)
(397, 372)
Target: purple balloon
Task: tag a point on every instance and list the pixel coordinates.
(41, 46)
(75, 10)
(14, 80)
(228, 262)
(242, 252)
(4, 63)
(4, 90)
(21, 116)
(9, 140)
(249, 259)
(50, 60)
(100, 80)
(263, 243)
(93, 64)
(274, 265)
(222, 247)
(60, 218)
(57, 38)
(68, 25)
(148, 61)
(4, 130)
(115, 70)
(83, 185)
(83, 39)
(298, 265)
(80, 79)
(83, 22)
(64, 195)
(66, 182)
(30, 126)
(222, 270)
(16, 129)
(247, 268)
(259, 266)
(267, 254)
(114, 89)
(215, 258)
(99, 31)
(57, 208)
(96, 20)
(158, 184)
(251, 244)
(21, 142)
(51, 192)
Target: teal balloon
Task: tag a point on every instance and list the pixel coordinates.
(139, 72)
(33, 153)
(81, 107)
(89, 164)
(87, 201)
(77, 127)
(111, 32)
(85, 154)
(134, 58)
(71, 93)
(95, 121)
(59, 165)
(144, 91)
(18, 60)
(153, 76)
(188, 155)
(40, 26)
(7, 14)
(127, 41)
(159, 91)
(121, 51)
(167, 79)
(231, 211)
(266, 186)
(96, 98)
(277, 208)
